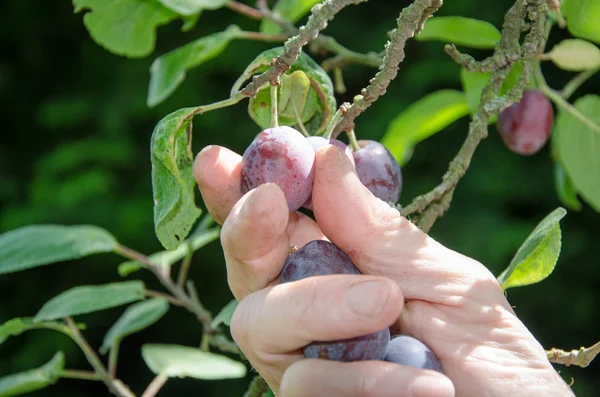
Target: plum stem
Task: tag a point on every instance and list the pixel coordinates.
(274, 116)
(332, 123)
(352, 140)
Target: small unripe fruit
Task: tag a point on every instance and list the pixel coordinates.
(525, 126)
(282, 156)
(378, 170)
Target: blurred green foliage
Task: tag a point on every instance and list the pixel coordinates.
(74, 149)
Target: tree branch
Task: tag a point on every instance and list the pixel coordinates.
(321, 14)
(581, 358)
(435, 203)
(410, 21)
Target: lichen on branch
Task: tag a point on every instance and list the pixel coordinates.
(523, 16)
(581, 358)
(409, 22)
(321, 14)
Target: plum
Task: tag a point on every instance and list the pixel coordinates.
(317, 142)
(321, 258)
(525, 126)
(282, 156)
(406, 350)
(378, 170)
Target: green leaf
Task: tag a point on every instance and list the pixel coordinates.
(137, 317)
(18, 325)
(577, 143)
(583, 17)
(224, 316)
(198, 239)
(460, 31)
(124, 27)
(173, 184)
(182, 361)
(32, 380)
(422, 119)
(168, 71)
(564, 189)
(473, 84)
(575, 55)
(190, 7)
(321, 92)
(39, 245)
(90, 298)
(536, 258)
(290, 10)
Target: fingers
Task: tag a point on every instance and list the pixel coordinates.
(254, 239)
(308, 378)
(380, 241)
(217, 171)
(273, 324)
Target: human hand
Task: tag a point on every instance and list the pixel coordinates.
(453, 303)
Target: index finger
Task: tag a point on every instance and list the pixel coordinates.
(218, 173)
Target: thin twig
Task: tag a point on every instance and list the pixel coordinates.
(156, 294)
(257, 387)
(156, 384)
(581, 358)
(115, 386)
(79, 374)
(409, 22)
(113, 358)
(576, 82)
(243, 9)
(185, 265)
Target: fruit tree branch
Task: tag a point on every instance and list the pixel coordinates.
(522, 16)
(581, 358)
(321, 14)
(409, 22)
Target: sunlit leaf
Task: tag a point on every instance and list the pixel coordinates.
(289, 10)
(582, 17)
(182, 361)
(460, 31)
(175, 210)
(577, 142)
(575, 55)
(190, 7)
(169, 70)
(137, 317)
(90, 298)
(321, 89)
(423, 118)
(564, 188)
(38, 245)
(32, 380)
(224, 316)
(124, 27)
(536, 258)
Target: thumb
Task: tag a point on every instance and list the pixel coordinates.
(382, 242)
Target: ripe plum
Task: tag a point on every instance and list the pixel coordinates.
(321, 258)
(317, 142)
(283, 156)
(525, 126)
(406, 350)
(378, 170)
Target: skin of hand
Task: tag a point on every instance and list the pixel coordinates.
(409, 283)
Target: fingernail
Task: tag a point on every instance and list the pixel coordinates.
(431, 386)
(367, 298)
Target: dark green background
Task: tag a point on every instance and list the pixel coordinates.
(74, 149)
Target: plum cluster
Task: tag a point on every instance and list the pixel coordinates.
(283, 156)
(322, 258)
